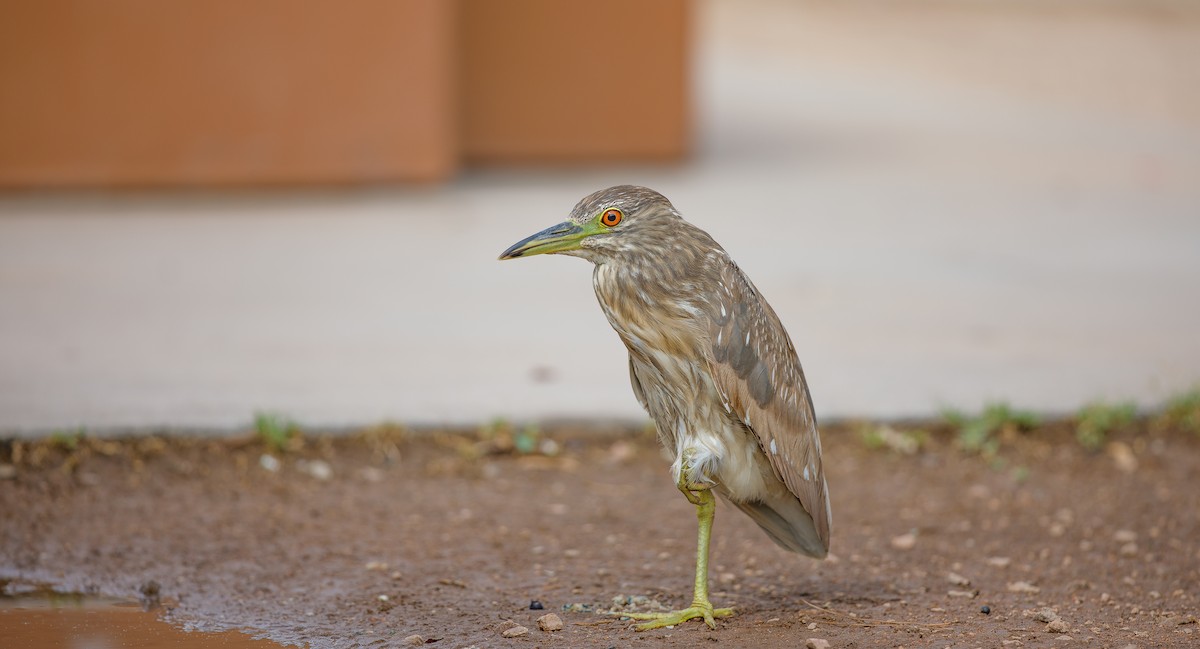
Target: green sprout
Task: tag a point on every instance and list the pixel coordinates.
(981, 434)
(67, 439)
(275, 430)
(1096, 420)
(882, 436)
(1183, 410)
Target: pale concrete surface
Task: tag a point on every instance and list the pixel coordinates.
(945, 204)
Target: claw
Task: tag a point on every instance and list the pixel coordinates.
(702, 610)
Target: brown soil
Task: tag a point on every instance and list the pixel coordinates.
(445, 536)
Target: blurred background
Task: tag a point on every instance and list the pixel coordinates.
(212, 209)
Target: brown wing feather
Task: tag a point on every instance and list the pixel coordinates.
(756, 369)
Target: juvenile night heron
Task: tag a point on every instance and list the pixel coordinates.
(711, 363)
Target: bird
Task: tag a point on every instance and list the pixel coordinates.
(713, 366)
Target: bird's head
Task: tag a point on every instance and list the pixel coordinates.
(605, 225)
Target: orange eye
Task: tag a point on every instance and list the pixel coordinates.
(610, 218)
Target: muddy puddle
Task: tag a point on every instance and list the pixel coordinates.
(44, 619)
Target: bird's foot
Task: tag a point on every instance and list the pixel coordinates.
(703, 610)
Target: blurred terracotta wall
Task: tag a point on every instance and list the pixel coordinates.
(547, 80)
(191, 92)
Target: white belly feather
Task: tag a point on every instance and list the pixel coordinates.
(691, 423)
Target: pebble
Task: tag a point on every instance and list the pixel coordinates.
(7, 472)
(1129, 550)
(550, 622)
(978, 491)
(535, 605)
(904, 541)
(1045, 615)
(414, 640)
(1023, 587)
(816, 643)
(318, 469)
(515, 631)
(269, 462)
(986, 610)
(1057, 625)
(957, 579)
(971, 594)
(999, 562)
(371, 474)
(1124, 536)
(1123, 457)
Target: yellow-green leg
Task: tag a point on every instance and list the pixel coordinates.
(702, 498)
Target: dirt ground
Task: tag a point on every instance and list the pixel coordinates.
(364, 540)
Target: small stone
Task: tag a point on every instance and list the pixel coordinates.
(1023, 587)
(812, 626)
(318, 469)
(535, 605)
(550, 622)
(978, 491)
(999, 562)
(376, 566)
(1124, 536)
(414, 640)
(1129, 550)
(986, 610)
(514, 632)
(269, 462)
(1057, 625)
(7, 472)
(1123, 457)
(1045, 615)
(505, 625)
(904, 541)
(816, 643)
(957, 579)
(970, 594)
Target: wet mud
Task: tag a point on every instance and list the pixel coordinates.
(44, 619)
(385, 539)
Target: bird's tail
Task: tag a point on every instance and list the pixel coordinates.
(784, 519)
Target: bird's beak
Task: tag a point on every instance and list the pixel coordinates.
(556, 238)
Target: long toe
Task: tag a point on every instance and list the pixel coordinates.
(675, 618)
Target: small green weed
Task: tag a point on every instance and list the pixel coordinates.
(275, 430)
(982, 433)
(67, 439)
(882, 436)
(500, 437)
(1183, 410)
(1095, 421)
